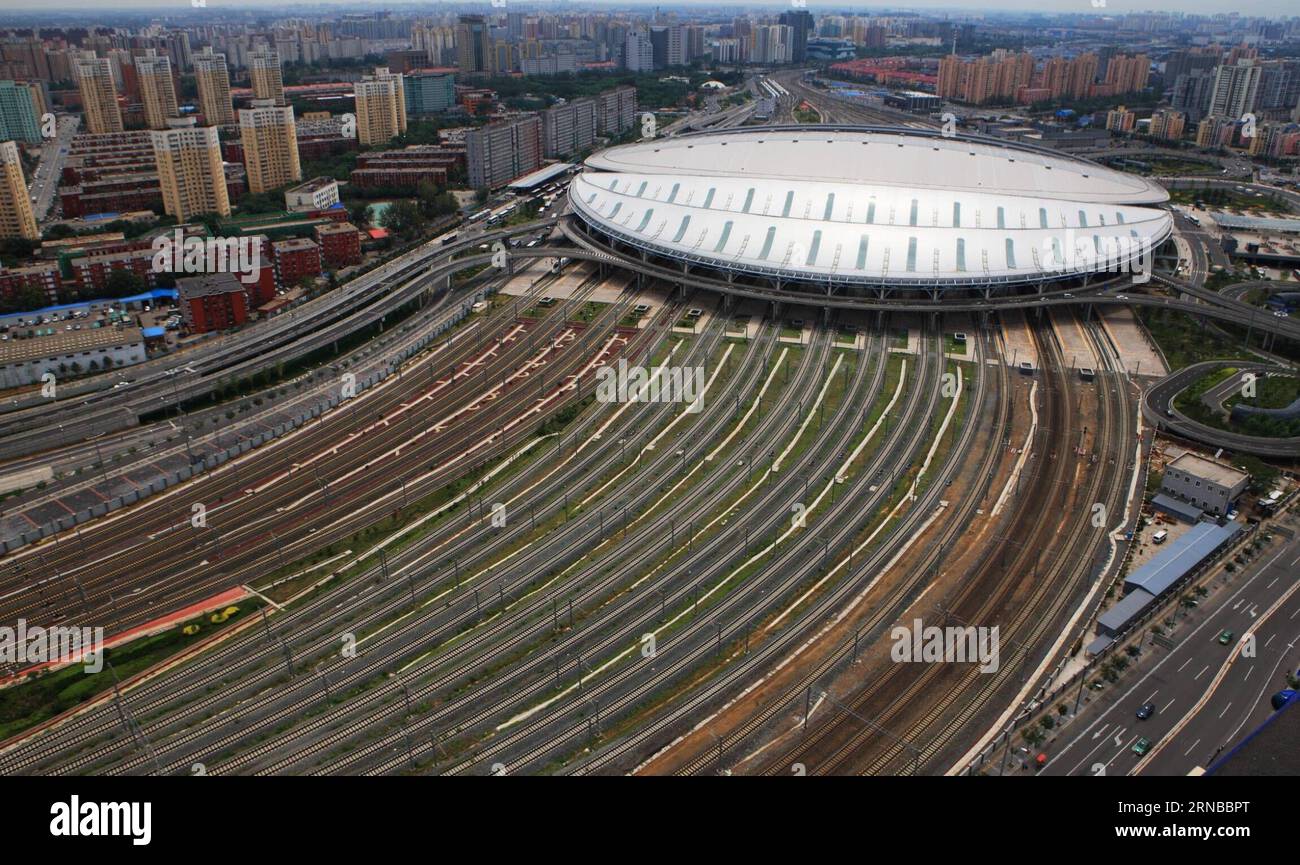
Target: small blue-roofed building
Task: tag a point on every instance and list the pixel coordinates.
(1116, 620)
(1183, 555)
(540, 176)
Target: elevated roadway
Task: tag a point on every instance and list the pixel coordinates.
(95, 406)
(1159, 411)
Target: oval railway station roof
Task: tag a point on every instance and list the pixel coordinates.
(869, 206)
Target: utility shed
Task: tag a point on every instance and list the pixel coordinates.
(1180, 558)
(1115, 620)
(1184, 511)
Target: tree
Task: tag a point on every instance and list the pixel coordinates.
(25, 299)
(435, 201)
(17, 248)
(403, 217)
(123, 283)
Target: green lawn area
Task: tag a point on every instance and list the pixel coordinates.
(1185, 341)
(1272, 392)
(1218, 198)
(1189, 401)
(48, 694)
(589, 311)
(1277, 391)
(1173, 165)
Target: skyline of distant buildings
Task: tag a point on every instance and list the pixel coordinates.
(182, 116)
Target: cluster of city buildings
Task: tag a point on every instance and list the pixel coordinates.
(189, 130)
(1008, 77)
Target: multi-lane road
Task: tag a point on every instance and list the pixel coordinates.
(1206, 695)
(45, 183)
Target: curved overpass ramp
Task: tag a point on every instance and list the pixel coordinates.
(1159, 411)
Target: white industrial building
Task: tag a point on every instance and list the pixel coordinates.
(316, 194)
(25, 361)
(1207, 484)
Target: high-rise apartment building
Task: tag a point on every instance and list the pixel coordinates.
(638, 52)
(474, 45)
(429, 92)
(94, 77)
(267, 77)
(21, 107)
(212, 78)
(1082, 75)
(157, 91)
(1120, 119)
(500, 152)
(1168, 124)
(381, 107)
(1192, 93)
(1236, 89)
(190, 169)
(270, 140)
(616, 110)
(16, 217)
(569, 127)
(1214, 132)
(800, 23)
(1128, 74)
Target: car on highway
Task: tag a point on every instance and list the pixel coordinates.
(1146, 711)
(1141, 746)
(1226, 637)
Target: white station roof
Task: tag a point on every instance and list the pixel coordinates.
(869, 206)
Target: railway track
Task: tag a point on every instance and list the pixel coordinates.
(644, 599)
(284, 483)
(784, 569)
(962, 691)
(705, 498)
(791, 569)
(298, 625)
(850, 586)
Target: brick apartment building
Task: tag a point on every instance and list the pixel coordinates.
(295, 259)
(91, 271)
(43, 277)
(340, 244)
(212, 301)
(407, 167)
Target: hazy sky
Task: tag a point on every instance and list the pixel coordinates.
(1116, 7)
